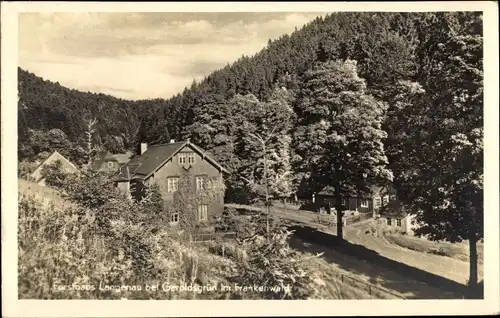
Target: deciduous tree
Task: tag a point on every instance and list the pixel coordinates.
(339, 138)
(440, 168)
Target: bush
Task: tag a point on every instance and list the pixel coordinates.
(25, 169)
(91, 190)
(273, 265)
(109, 241)
(105, 238)
(227, 222)
(227, 249)
(54, 175)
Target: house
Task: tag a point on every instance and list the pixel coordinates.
(66, 165)
(368, 203)
(383, 203)
(178, 169)
(325, 199)
(393, 215)
(109, 163)
(389, 211)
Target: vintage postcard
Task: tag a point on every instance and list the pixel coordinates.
(238, 154)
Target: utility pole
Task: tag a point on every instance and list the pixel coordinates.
(263, 142)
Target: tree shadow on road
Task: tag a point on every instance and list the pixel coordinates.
(388, 273)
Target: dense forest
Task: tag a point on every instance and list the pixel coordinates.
(348, 100)
(382, 44)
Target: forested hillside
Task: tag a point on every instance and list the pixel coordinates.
(368, 38)
(53, 117)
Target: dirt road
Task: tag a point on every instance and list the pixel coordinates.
(411, 273)
(447, 267)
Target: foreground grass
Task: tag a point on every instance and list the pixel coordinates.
(61, 256)
(344, 285)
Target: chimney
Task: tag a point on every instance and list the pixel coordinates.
(172, 141)
(144, 147)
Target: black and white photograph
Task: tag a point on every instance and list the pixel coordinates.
(248, 155)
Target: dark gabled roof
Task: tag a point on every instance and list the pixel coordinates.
(104, 156)
(142, 166)
(386, 188)
(328, 190)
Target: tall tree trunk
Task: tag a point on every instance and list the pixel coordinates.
(340, 212)
(472, 257)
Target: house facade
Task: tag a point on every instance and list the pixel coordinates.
(185, 175)
(393, 215)
(382, 203)
(402, 223)
(66, 166)
(369, 203)
(325, 200)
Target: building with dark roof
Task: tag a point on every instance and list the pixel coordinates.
(370, 202)
(182, 171)
(109, 163)
(394, 215)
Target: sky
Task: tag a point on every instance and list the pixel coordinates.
(143, 55)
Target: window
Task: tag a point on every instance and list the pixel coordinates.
(172, 184)
(364, 203)
(200, 183)
(190, 158)
(377, 202)
(174, 218)
(182, 158)
(203, 212)
(110, 164)
(398, 222)
(385, 200)
(389, 221)
(344, 202)
(186, 158)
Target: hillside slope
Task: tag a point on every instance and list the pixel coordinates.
(38, 249)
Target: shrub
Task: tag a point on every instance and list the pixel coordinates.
(91, 191)
(273, 265)
(25, 169)
(57, 237)
(54, 244)
(109, 240)
(227, 249)
(54, 175)
(227, 222)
